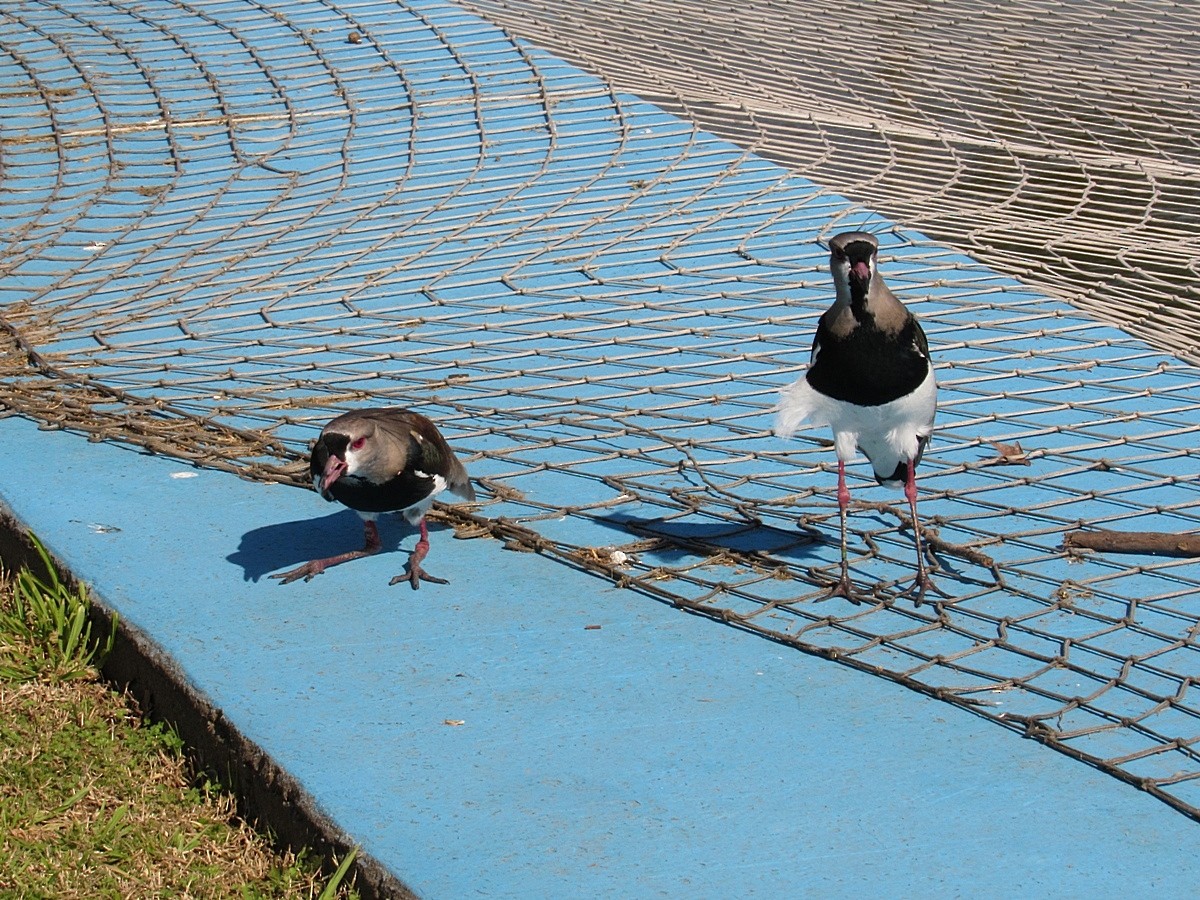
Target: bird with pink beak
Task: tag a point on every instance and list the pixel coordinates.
(383, 460)
(871, 380)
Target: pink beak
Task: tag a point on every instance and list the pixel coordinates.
(861, 272)
(335, 467)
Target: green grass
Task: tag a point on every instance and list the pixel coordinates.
(95, 801)
(44, 629)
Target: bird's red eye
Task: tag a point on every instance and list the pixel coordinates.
(357, 443)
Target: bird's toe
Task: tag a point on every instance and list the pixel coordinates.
(843, 588)
(308, 571)
(415, 575)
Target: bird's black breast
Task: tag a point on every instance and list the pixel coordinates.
(397, 493)
(869, 366)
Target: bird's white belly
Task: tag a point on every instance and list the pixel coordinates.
(887, 434)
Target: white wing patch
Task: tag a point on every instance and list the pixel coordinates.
(417, 511)
(439, 483)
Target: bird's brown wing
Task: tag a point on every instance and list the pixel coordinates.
(424, 448)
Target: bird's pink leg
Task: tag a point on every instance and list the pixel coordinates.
(923, 582)
(315, 567)
(415, 573)
(842, 588)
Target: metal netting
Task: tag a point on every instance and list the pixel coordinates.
(1056, 142)
(226, 222)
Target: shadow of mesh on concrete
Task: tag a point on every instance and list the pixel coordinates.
(224, 224)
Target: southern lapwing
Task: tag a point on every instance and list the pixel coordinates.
(869, 377)
(383, 460)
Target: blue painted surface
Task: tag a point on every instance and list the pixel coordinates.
(440, 200)
(659, 755)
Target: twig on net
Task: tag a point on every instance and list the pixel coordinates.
(1158, 542)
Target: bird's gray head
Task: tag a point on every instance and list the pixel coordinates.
(852, 261)
(346, 448)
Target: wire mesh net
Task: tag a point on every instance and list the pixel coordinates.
(1055, 142)
(226, 223)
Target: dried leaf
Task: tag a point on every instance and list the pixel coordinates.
(1009, 455)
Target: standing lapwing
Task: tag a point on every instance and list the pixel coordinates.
(871, 380)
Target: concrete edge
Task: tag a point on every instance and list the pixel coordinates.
(266, 794)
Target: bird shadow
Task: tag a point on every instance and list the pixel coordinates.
(677, 539)
(671, 543)
(284, 545)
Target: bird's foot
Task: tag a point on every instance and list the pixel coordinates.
(308, 572)
(920, 586)
(415, 575)
(315, 567)
(842, 588)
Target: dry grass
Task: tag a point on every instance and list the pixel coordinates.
(96, 802)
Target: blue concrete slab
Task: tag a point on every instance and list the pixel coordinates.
(262, 221)
(487, 738)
